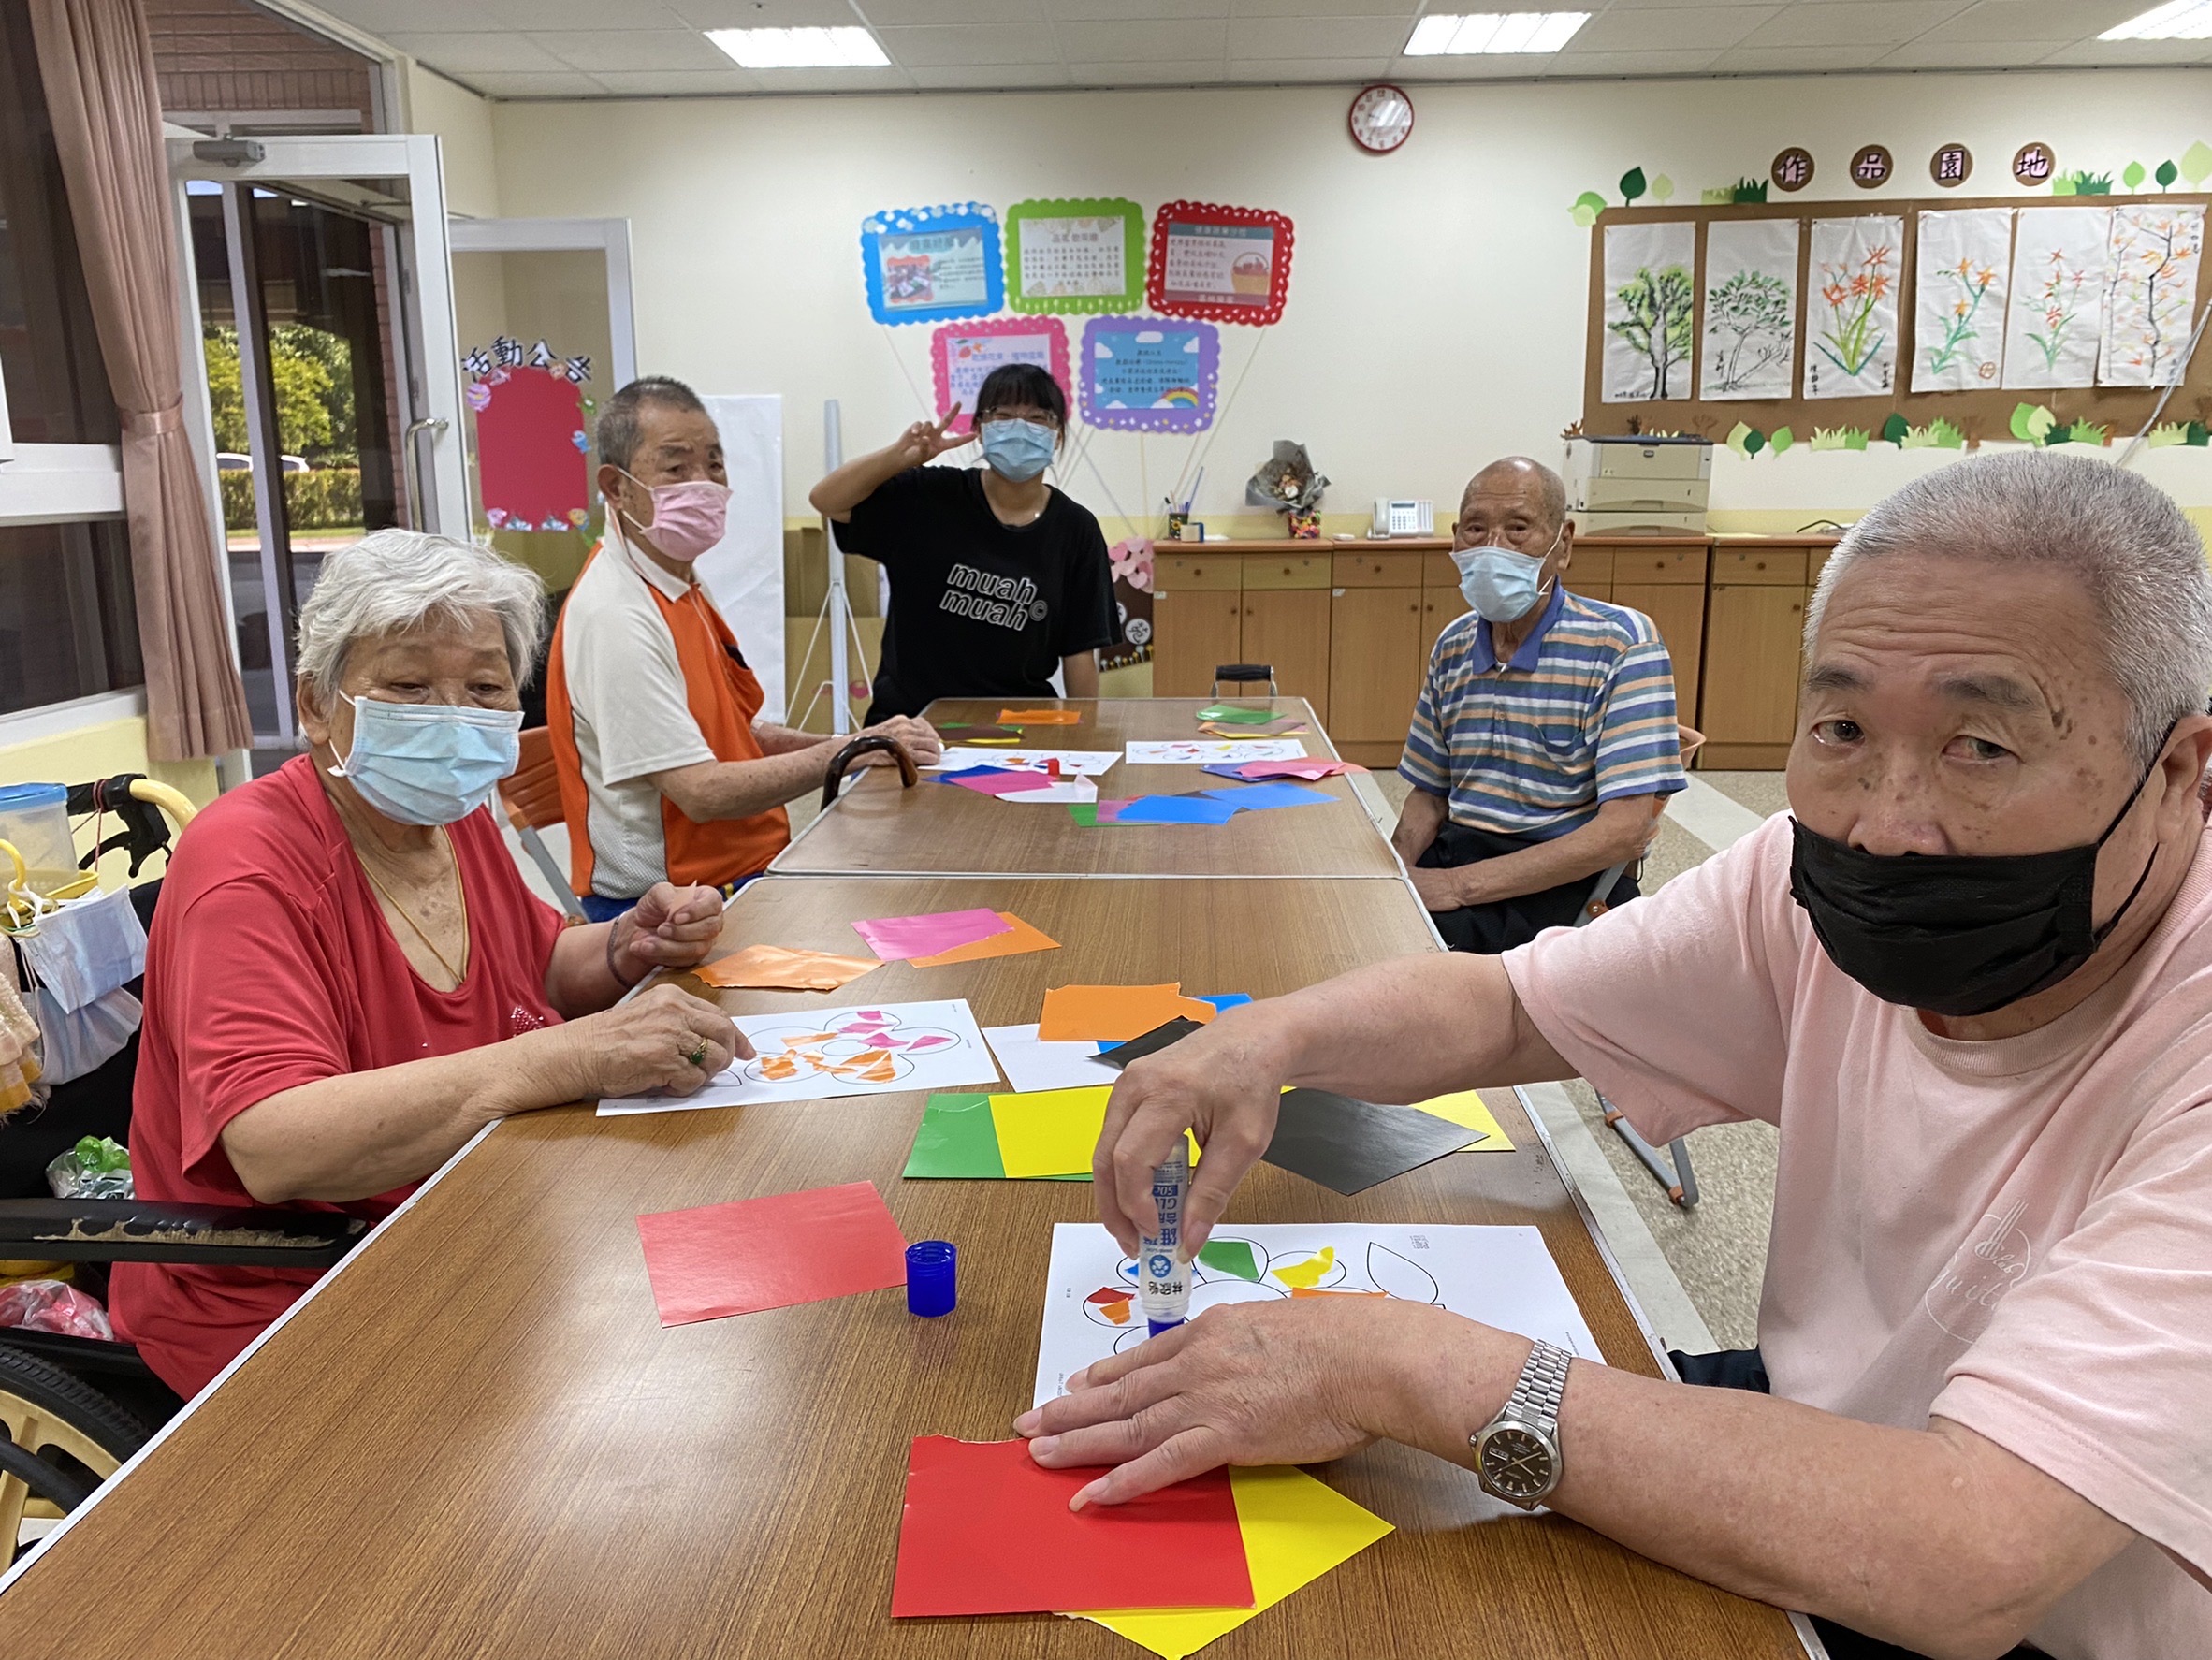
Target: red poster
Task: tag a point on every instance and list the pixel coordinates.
(531, 450)
(1229, 265)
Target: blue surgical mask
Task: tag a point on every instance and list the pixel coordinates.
(1019, 450)
(1499, 583)
(429, 762)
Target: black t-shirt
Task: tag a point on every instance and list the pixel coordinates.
(978, 609)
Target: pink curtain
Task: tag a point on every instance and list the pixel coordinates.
(96, 65)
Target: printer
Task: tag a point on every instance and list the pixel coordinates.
(1654, 486)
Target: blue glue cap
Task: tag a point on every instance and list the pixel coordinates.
(931, 1266)
(1156, 1327)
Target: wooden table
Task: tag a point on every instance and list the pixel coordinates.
(876, 826)
(475, 1438)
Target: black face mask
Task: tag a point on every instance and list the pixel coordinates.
(1955, 934)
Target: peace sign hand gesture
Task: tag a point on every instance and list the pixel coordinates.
(925, 441)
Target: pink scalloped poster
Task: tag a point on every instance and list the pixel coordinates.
(1227, 265)
(531, 449)
(961, 355)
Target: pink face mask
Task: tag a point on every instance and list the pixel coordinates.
(688, 517)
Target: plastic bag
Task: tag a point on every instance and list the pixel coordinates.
(95, 1167)
(81, 1041)
(49, 1305)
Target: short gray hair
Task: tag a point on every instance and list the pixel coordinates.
(392, 582)
(617, 431)
(2122, 537)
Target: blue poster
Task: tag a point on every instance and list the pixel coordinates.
(930, 264)
(1148, 375)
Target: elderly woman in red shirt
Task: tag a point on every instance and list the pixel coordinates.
(346, 977)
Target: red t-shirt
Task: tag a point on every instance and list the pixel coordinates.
(270, 965)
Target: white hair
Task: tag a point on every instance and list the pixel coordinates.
(2122, 537)
(395, 582)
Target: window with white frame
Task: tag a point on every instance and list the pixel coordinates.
(68, 623)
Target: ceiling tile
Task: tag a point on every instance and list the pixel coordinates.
(676, 82)
(1402, 10)
(890, 77)
(1157, 42)
(724, 14)
(1679, 61)
(1619, 6)
(1349, 72)
(567, 83)
(2026, 21)
(468, 54)
(1315, 36)
(1854, 23)
(1965, 54)
(593, 50)
(898, 14)
(1124, 10)
(1667, 28)
(951, 45)
(2099, 52)
(528, 15)
(387, 16)
(1184, 73)
(1509, 66)
(991, 77)
(1795, 60)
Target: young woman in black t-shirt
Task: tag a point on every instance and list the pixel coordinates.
(996, 577)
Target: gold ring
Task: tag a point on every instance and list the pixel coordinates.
(698, 1056)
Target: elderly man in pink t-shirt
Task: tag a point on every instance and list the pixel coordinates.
(1969, 977)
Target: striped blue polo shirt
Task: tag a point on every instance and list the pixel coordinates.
(1583, 713)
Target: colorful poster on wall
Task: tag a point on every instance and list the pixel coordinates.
(2152, 296)
(1962, 270)
(1851, 312)
(1232, 265)
(1075, 256)
(929, 265)
(962, 355)
(1148, 375)
(1651, 311)
(1750, 328)
(2055, 318)
(531, 472)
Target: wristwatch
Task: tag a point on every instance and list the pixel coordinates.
(1516, 1453)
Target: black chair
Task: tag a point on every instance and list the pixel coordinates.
(1244, 673)
(74, 1408)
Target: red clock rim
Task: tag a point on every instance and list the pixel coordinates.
(1380, 86)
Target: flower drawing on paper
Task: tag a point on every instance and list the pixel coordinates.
(2058, 300)
(1748, 320)
(1853, 294)
(1657, 307)
(2154, 277)
(1974, 282)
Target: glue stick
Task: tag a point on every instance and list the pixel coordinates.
(1163, 1270)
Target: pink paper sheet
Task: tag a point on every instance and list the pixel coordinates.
(894, 938)
(1295, 769)
(1005, 783)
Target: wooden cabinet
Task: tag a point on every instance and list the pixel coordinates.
(1193, 631)
(1375, 664)
(1440, 608)
(1590, 571)
(1289, 627)
(1749, 709)
(1664, 578)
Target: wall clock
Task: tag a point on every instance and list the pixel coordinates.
(1381, 119)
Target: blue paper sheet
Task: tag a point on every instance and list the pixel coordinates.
(1258, 798)
(1176, 810)
(978, 772)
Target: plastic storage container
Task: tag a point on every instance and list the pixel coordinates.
(36, 818)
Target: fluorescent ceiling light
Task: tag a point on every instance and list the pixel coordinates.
(2178, 19)
(1439, 35)
(801, 49)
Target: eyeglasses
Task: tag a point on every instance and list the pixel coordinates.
(1041, 418)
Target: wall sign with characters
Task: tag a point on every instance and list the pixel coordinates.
(1148, 374)
(961, 355)
(1232, 265)
(1075, 256)
(930, 264)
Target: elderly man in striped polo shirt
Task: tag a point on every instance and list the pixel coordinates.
(1544, 727)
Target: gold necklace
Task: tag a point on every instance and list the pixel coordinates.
(408, 917)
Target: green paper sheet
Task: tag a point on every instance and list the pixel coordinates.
(958, 1141)
(1230, 715)
(1230, 1256)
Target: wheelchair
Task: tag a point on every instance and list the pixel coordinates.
(74, 1409)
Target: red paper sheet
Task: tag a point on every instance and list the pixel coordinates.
(987, 1531)
(771, 1253)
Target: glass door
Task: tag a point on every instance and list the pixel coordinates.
(322, 301)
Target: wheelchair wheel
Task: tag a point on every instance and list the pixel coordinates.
(65, 1439)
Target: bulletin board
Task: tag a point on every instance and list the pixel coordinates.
(1148, 374)
(1768, 397)
(930, 264)
(1075, 257)
(1231, 265)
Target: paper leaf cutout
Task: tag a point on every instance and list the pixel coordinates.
(2196, 163)
(1588, 206)
(2032, 423)
(1663, 189)
(1779, 439)
(2166, 174)
(2133, 174)
(1893, 430)
(1400, 1276)
(1631, 184)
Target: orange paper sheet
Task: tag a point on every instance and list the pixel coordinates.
(1039, 717)
(1113, 1013)
(1020, 937)
(781, 967)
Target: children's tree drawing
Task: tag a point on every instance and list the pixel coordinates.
(1747, 327)
(2152, 293)
(1657, 307)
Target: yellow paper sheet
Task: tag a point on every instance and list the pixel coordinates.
(1295, 1528)
(1465, 1107)
(1052, 1132)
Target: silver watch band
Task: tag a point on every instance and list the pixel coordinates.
(1539, 1388)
